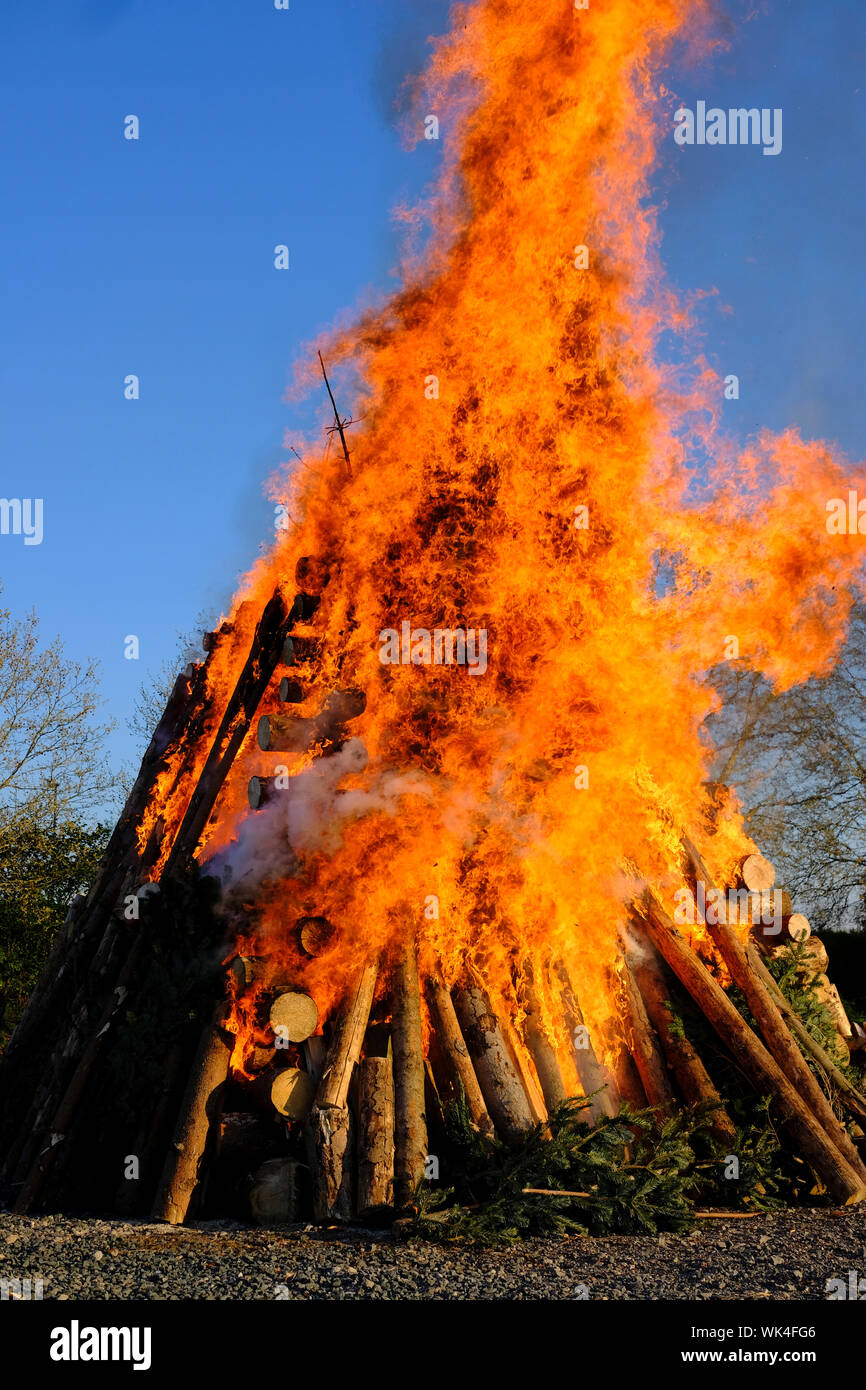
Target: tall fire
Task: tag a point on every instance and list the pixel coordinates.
(425, 825)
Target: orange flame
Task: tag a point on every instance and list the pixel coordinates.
(529, 466)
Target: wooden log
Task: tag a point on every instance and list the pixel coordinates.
(199, 1109)
(540, 1045)
(410, 1120)
(274, 1193)
(778, 1037)
(300, 650)
(294, 1016)
(686, 1066)
(757, 873)
(292, 1093)
(456, 1054)
(498, 1077)
(52, 1153)
(597, 1080)
(348, 1038)
(287, 733)
(375, 1139)
(264, 791)
(828, 995)
(798, 927)
(330, 1145)
(764, 1073)
(291, 692)
(645, 1047)
(315, 1054)
(315, 934)
(265, 650)
(849, 1096)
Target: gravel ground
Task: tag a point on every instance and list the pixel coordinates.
(767, 1257)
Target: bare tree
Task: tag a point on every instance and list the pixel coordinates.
(52, 764)
(798, 761)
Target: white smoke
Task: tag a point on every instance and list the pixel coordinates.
(309, 817)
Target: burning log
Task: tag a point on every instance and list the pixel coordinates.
(686, 1066)
(410, 1132)
(768, 1079)
(645, 1048)
(198, 1111)
(286, 733)
(456, 1054)
(375, 1138)
(348, 1039)
(595, 1079)
(267, 644)
(294, 1016)
(293, 1092)
(541, 1049)
(300, 651)
(506, 1100)
(290, 692)
(263, 791)
(315, 934)
(776, 1035)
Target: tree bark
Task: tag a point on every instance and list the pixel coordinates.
(410, 1120)
(541, 1048)
(498, 1077)
(456, 1054)
(646, 1048)
(330, 1142)
(348, 1039)
(375, 1138)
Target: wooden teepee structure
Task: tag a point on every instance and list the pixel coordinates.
(121, 1088)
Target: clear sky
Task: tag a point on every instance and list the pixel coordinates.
(259, 127)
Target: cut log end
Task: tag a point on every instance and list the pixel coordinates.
(294, 1016)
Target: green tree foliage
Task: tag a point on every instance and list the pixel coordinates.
(41, 870)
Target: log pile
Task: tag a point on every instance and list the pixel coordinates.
(331, 1113)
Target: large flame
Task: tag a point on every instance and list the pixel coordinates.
(461, 509)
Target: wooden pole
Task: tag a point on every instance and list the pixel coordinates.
(646, 1048)
(748, 1051)
(776, 1035)
(541, 1048)
(596, 1079)
(330, 1128)
(375, 1138)
(410, 1120)
(849, 1096)
(688, 1070)
(199, 1108)
(265, 653)
(455, 1053)
(498, 1077)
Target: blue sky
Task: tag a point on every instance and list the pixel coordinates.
(261, 127)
